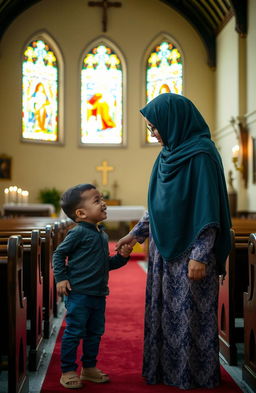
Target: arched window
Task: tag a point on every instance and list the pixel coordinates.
(102, 94)
(164, 72)
(40, 93)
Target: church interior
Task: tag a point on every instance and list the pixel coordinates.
(78, 73)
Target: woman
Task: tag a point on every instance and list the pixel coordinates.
(188, 223)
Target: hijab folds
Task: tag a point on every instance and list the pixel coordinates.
(187, 190)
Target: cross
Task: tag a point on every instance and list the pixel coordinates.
(104, 168)
(104, 4)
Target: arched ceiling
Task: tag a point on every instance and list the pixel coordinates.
(207, 16)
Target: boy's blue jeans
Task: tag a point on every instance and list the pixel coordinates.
(85, 320)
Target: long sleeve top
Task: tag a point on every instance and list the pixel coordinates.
(201, 249)
(83, 259)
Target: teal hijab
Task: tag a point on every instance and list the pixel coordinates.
(187, 190)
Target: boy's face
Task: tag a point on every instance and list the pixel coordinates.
(92, 209)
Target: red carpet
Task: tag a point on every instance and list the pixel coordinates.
(121, 347)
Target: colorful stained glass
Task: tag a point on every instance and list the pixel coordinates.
(101, 97)
(39, 93)
(164, 73)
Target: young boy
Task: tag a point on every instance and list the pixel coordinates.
(84, 282)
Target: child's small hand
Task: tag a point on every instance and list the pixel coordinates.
(63, 287)
(125, 250)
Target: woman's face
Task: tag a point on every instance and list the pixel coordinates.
(153, 131)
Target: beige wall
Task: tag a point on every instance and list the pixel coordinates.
(73, 25)
(236, 96)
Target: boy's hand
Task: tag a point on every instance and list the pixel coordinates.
(63, 287)
(125, 250)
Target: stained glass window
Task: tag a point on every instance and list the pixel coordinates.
(39, 93)
(101, 97)
(164, 73)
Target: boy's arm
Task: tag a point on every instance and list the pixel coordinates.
(117, 261)
(65, 248)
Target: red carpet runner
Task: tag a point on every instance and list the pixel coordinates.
(121, 347)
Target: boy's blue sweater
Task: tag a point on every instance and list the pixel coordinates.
(88, 261)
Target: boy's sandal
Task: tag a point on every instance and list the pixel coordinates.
(96, 376)
(71, 381)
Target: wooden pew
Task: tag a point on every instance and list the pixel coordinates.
(249, 367)
(60, 228)
(46, 236)
(13, 313)
(33, 290)
(231, 298)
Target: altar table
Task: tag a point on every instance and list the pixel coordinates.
(125, 213)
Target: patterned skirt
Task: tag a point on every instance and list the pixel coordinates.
(181, 329)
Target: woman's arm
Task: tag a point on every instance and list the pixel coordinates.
(138, 234)
(199, 255)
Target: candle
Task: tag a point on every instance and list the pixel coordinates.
(15, 188)
(19, 191)
(6, 195)
(25, 196)
(11, 193)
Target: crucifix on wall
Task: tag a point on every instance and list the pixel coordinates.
(104, 168)
(104, 4)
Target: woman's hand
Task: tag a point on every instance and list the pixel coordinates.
(196, 270)
(125, 250)
(128, 239)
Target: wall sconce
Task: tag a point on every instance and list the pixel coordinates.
(240, 151)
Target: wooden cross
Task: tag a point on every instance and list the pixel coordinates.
(104, 168)
(104, 4)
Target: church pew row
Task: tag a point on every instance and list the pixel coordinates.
(13, 308)
(249, 367)
(46, 236)
(33, 291)
(231, 293)
(60, 229)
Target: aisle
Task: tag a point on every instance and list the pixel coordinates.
(121, 348)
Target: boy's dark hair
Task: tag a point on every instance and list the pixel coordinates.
(71, 199)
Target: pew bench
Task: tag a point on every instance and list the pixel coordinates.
(249, 366)
(230, 308)
(48, 284)
(33, 290)
(14, 311)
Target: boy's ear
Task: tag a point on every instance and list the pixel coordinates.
(81, 213)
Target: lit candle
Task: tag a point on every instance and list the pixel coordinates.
(6, 195)
(15, 188)
(19, 191)
(25, 196)
(11, 194)
(235, 152)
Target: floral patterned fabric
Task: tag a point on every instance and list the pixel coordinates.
(181, 329)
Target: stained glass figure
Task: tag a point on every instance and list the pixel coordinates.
(164, 73)
(39, 93)
(101, 97)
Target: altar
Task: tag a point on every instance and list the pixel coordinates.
(127, 213)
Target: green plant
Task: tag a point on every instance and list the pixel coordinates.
(51, 195)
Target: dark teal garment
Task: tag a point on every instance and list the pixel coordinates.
(88, 260)
(187, 190)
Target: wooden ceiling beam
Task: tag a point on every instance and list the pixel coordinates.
(240, 8)
(195, 17)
